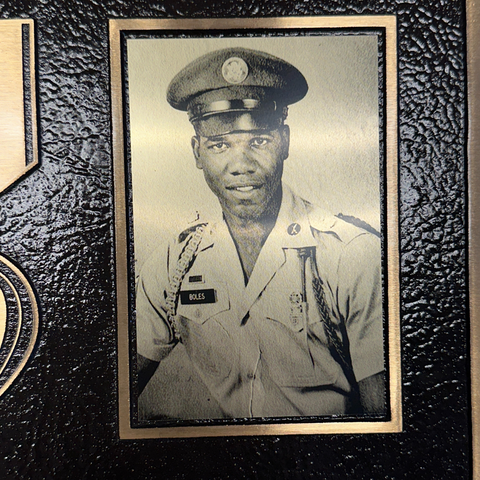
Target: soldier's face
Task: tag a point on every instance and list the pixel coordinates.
(243, 169)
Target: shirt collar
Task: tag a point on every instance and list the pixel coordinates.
(291, 230)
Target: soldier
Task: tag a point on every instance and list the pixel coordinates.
(274, 305)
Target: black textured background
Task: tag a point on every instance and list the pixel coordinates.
(59, 420)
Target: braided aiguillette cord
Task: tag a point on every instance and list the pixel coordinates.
(337, 347)
(184, 263)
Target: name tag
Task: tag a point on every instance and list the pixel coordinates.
(192, 297)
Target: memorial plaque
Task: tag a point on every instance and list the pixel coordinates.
(104, 120)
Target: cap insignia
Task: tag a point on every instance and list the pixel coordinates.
(234, 70)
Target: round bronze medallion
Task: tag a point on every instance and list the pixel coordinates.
(18, 322)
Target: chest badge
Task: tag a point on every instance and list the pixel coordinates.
(294, 229)
(296, 308)
(195, 279)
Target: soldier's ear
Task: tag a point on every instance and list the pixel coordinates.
(196, 151)
(285, 133)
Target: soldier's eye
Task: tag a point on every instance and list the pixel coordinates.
(218, 147)
(259, 141)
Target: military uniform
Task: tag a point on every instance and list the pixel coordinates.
(261, 349)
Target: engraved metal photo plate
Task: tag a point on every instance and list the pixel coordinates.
(256, 226)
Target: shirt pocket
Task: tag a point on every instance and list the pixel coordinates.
(209, 344)
(295, 356)
(289, 309)
(207, 300)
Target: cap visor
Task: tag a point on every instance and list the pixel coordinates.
(228, 122)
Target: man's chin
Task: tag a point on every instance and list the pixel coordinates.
(260, 209)
(248, 212)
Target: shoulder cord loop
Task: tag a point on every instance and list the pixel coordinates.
(184, 263)
(339, 347)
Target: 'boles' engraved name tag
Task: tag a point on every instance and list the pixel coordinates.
(193, 297)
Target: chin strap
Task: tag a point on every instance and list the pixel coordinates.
(184, 263)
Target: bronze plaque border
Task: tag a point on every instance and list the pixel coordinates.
(29, 140)
(392, 246)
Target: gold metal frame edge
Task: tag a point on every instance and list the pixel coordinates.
(394, 425)
(473, 72)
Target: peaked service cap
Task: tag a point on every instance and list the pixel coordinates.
(225, 86)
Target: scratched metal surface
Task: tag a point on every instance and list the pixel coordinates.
(59, 420)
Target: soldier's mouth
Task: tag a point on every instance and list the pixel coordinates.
(244, 188)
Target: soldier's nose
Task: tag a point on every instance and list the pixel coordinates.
(242, 164)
